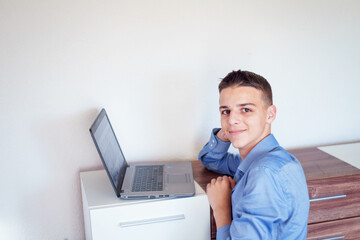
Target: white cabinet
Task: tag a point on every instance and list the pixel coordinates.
(108, 217)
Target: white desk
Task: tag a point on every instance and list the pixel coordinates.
(108, 217)
(349, 153)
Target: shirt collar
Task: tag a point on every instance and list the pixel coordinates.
(264, 146)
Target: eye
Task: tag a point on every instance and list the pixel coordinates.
(246, 110)
(225, 112)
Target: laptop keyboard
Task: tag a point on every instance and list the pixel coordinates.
(148, 178)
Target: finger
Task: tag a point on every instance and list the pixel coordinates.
(220, 179)
(232, 182)
(224, 136)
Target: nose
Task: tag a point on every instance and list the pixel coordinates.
(234, 118)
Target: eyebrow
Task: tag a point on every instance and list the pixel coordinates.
(239, 105)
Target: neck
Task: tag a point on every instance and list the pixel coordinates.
(244, 152)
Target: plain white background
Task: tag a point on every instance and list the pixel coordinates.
(155, 67)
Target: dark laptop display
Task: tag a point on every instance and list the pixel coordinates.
(109, 150)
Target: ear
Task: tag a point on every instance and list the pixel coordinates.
(271, 114)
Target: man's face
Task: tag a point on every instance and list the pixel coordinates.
(245, 117)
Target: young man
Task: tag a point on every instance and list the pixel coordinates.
(267, 195)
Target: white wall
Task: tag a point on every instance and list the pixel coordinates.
(155, 67)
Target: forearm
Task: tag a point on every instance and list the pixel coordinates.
(222, 217)
(215, 156)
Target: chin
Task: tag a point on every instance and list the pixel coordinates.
(237, 145)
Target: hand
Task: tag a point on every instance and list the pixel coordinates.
(222, 136)
(219, 195)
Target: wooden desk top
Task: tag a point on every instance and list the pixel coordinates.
(316, 164)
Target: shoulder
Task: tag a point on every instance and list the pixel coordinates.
(280, 167)
(276, 161)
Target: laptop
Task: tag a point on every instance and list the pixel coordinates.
(148, 180)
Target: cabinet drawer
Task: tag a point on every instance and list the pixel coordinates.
(342, 229)
(334, 198)
(163, 219)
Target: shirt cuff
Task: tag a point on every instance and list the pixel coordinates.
(223, 233)
(216, 144)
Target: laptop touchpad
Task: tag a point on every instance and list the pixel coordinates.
(177, 179)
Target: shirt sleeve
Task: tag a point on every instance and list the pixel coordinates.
(215, 156)
(259, 208)
(223, 233)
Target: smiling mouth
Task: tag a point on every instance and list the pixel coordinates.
(235, 132)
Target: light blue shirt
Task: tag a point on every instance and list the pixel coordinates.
(270, 199)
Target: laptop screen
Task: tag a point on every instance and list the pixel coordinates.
(109, 149)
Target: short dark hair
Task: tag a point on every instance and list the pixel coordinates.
(247, 79)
